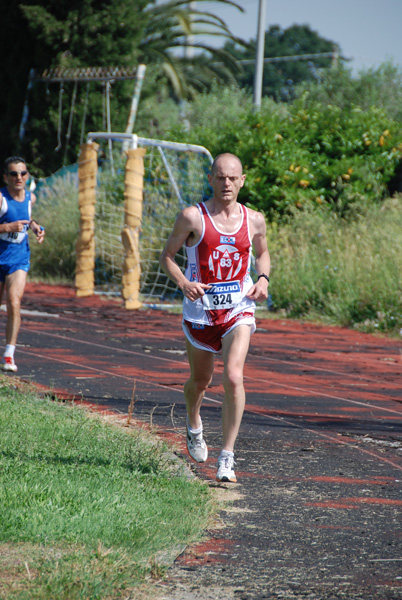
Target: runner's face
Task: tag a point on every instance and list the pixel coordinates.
(227, 179)
(17, 182)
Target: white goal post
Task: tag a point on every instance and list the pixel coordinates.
(130, 191)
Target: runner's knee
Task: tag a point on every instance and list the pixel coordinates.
(233, 379)
(14, 302)
(200, 382)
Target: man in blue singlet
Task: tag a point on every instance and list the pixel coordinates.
(15, 221)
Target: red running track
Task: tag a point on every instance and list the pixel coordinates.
(319, 456)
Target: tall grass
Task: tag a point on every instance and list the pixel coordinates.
(57, 210)
(345, 271)
(87, 505)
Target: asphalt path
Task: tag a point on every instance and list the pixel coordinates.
(317, 510)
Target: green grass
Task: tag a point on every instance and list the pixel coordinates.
(345, 272)
(57, 210)
(87, 507)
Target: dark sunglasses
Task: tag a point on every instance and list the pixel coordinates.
(16, 173)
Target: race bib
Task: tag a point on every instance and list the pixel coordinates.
(14, 237)
(222, 295)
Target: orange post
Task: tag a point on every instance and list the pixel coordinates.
(133, 196)
(85, 246)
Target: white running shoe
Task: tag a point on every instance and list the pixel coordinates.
(8, 364)
(196, 446)
(225, 472)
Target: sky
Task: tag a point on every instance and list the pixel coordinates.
(367, 31)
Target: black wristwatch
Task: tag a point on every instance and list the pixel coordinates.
(263, 275)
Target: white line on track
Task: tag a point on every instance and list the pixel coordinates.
(109, 373)
(331, 438)
(331, 396)
(207, 398)
(32, 313)
(304, 365)
(175, 361)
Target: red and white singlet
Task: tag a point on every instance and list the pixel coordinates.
(221, 260)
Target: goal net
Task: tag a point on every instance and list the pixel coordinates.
(175, 176)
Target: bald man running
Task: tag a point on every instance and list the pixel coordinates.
(219, 299)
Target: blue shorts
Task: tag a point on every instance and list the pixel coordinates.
(8, 269)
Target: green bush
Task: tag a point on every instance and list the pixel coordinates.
(336, 147)
(309, 154)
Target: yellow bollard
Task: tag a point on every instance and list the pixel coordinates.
(133, 196)
(85, 246)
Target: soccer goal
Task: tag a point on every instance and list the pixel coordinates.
(130, 192)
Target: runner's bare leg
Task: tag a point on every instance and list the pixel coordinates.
(234, 347)
(15, 286)
(202, 368)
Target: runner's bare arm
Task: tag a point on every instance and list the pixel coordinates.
(14, 227)
(34, 225)
(259, 291)
(187, 228)
(38, 230)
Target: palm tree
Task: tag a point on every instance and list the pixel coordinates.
(85, 33)
(177, 25)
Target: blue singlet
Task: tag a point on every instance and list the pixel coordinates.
(14, 247)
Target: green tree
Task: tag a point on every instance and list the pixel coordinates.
(380, 87)
(84, 33)
(66, 34)
(281, 78)
(174, 28)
